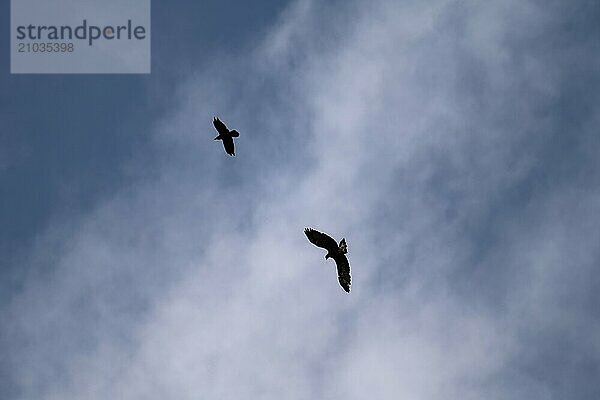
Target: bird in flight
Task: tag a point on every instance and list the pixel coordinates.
(225, 135)
(335, 251)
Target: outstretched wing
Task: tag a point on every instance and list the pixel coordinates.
(343, 271)
(229, 146)
(321, 239)
(220, 126)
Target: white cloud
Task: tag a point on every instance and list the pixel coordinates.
(398, 135)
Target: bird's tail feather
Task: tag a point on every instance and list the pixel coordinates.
(343, 246)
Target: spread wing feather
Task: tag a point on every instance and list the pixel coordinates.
(220, 126)
(343, 271)
(229, 146)
(321, 239)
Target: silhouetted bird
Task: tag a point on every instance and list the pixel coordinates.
(335, 251)
(226, 136)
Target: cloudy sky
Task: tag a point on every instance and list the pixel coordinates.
(453, 143)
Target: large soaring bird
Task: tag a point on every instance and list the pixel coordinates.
(335, 251)
(225, 135)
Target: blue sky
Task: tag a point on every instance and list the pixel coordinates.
(66, 138)
(453, 143)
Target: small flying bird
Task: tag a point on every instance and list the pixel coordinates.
(225, 135)
(335, 251)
